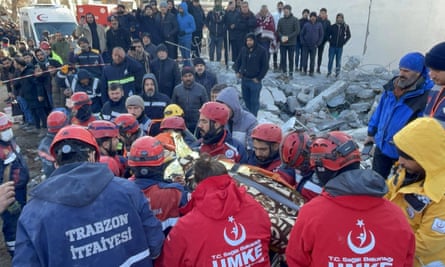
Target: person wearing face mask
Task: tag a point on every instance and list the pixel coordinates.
(363, 225)
(216, 140)
(418, 187)
(403, 99)
(266, 155)
(13, 167)
(81, 109)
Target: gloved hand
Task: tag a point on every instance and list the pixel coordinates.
(181, 33)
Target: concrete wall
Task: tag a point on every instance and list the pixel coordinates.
(395, 27)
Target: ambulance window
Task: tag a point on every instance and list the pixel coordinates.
(26, 29)
(66, 28)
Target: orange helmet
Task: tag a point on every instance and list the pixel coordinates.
(215, 111)
(111, 163)
(175, 123)
(79, 99)
(5, 122)
(146, 151)
(295, 149)
(127, 123)
(267, 132)
(334, 151)
(74, 132)
(102, 128)
(166, 140)
(56, 120)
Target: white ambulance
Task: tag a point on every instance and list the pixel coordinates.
(36, 19)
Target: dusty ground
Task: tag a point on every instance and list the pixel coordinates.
(28, 144)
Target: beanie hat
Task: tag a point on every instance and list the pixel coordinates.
(161, 47)
(135, 100)
(187, 69)
(198, 60)
(414, 61)
(83, 40)
(435, 58)
(163, 4)
(83, 74)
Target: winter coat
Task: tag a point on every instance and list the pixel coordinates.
(312, 34)
(69, 221)
(154, 105)
(111, 110)
(168, 26)
(325, 24)
(190, 100)
(29, 88)
(129, 74)
(252, 63)
(242, 121)
(85, 31)
(91, 58)
(288, 26)
(198, 15)
(423, 202)
(225, 225)
(148, 24)
(215, 22)
(167, 74)
(230, 18)
(244, 24)
(356, 225)
(393, 114)
(436, 104)
(119, 37)
(226, 147)
(207, 79)
(339, 34)
(186, 24)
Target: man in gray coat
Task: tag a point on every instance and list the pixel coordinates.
(288, 30)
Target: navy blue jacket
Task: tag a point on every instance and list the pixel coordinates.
(111, 109)
(207, 79)
(312, 34)
(252, 63)
(84, 216)
(393, 114)
(90, 58)
(167, 74)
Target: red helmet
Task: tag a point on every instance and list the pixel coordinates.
(111, 163)
(56, 120)
(215, 111)
(334, 151)
(102, 128)
(5, 122)
(127, 123)
(45, 45)
(75, 132)
(295, 149)
(146, 151)
(267, 132)
(175, 123)
(79, 99)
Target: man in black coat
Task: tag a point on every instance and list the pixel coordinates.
(166, 71)
(168, 25)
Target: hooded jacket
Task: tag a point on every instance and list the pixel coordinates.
(186, 24)
(393, 113)
(154, 105)
(252, 62)
(84, 216)
(423, 202)
(242, 121)
(351, 221)
(225, 225)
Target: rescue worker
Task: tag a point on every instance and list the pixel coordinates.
(295, 153)
(434, 60)
(90, 217)
(81, 109)
(216, 140)
(223, 224)
(135, 106)
(129, 131)
(146, 161)
(363, 226)
(106, 134)
(175, 124)
(7, 195)
(418, 187)
(116, 103)
(13, 167)
(266, 155)
(56, 120)
(88, 59)
(173, 110)
(154, 101)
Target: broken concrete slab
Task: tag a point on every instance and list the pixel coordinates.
(320, 101)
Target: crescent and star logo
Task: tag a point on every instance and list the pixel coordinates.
(238, 237)
(42, 17)
(363, 237)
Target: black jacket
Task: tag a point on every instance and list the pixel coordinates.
(119, 37)
(168, 26)
(167, 74)
(244, 23)
(252, 63)
(207, 79)
(288, 26)
(29, 88)
(339, 34)
(215, 22)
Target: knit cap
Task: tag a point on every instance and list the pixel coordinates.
(414, 61)
(435, 58)
(134, 100)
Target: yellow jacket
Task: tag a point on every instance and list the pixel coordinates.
(423, 202)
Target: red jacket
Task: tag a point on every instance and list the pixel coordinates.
(337, 231)
(225, 226)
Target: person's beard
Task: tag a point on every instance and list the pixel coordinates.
(404, 82)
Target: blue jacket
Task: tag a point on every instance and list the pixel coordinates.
(312, 34)
(207, 79)
(84, 216)
(242, 121)
(393, 114)
(186, 24)
(436, 104)
(45, 155)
